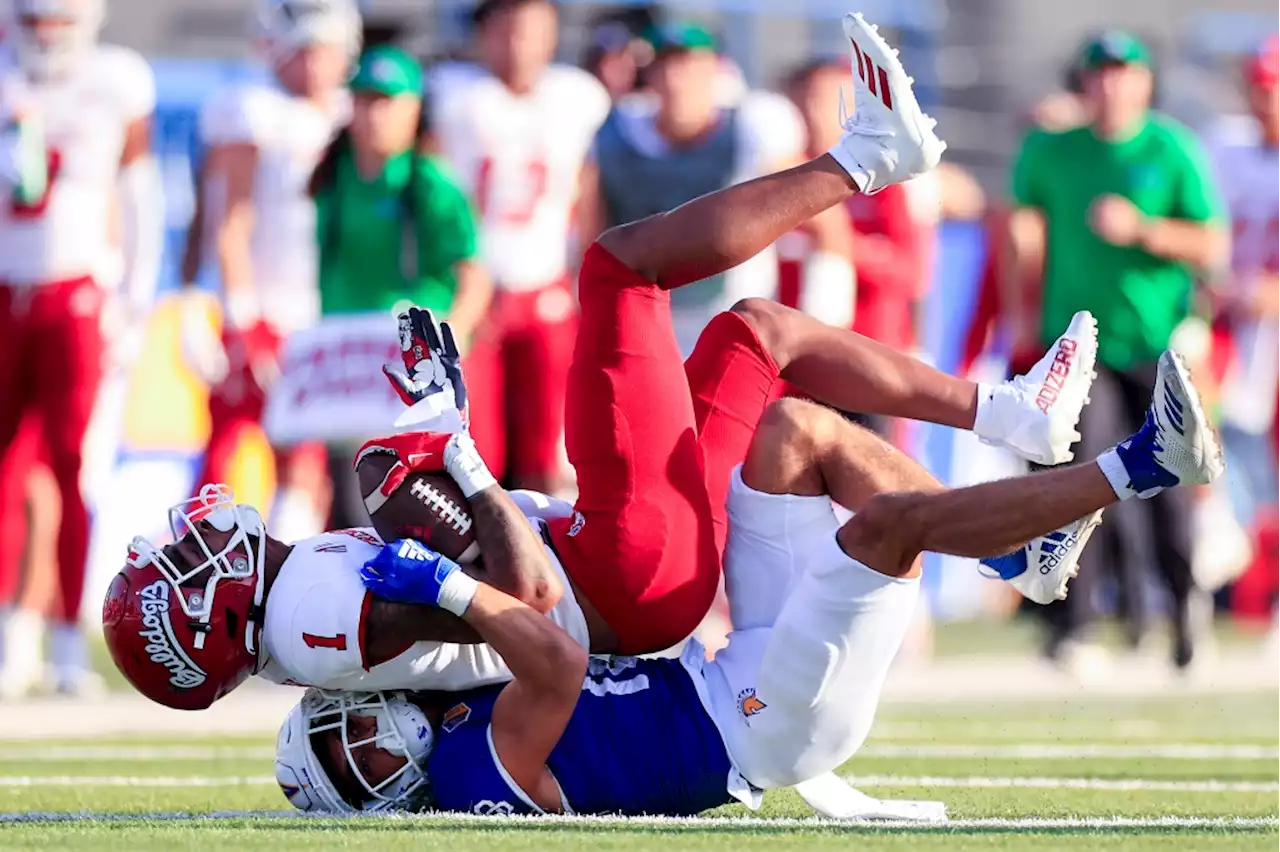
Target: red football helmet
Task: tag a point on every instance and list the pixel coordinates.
(183, 622)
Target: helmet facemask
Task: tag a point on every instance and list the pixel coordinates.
(402, 729)
(241, 557)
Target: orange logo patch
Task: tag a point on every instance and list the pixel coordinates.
(454, 717)
(748, 704)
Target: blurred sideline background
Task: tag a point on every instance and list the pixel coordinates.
(980, 68)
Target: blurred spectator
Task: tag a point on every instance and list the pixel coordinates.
(263, 140)
(893, 234)
(700, 130)
(1247, 299)
(81, 232)
(394, 229)
(516, 130)
(1122, 211)
(614, 58)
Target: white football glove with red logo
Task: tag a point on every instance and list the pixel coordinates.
(430, 382)
(427, 452)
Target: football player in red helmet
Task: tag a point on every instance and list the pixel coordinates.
(183, 622)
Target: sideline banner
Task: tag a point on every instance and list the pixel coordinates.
(331, 386)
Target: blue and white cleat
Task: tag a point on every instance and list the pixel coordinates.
(1036, 415)
(888, 139)
(1175, 445)
(1042, 569)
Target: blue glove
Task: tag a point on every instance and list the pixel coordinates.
(406, 571)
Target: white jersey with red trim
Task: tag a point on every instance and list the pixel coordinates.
(1249, 174)
(80, 122)
(314, 627)
(519, 158)
(290, 134)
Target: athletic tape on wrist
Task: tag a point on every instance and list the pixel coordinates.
(456, 593)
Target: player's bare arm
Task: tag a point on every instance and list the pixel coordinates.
(515, 559)
(231, 169)
(531, 713)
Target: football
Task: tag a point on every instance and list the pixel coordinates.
(428, 507)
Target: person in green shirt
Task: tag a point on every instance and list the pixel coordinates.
(394, 228)
(1116, 217)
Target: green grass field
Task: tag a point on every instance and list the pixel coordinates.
(1185, 772)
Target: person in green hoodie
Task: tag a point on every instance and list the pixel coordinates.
(394, 228)
(1117, 216)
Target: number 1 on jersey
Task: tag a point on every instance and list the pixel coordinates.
(337, 643)
(528, 194)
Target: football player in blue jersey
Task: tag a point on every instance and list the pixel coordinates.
(819, 610)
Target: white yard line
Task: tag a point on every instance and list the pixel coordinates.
(1200, 786)
(989, 751)
(730, 823)
(1047, 751)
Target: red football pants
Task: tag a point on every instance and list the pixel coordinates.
(653, 441)
(516, 373)
(51, 362)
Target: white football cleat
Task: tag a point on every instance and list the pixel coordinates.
(1036, 415)
(888, 139)
(1175, 445)
(1042, 568)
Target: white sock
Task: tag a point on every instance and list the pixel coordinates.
(984, 421)
(861, 177)
(66, 648)
(1113, 470)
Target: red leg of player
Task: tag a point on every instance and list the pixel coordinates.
(68, 318)
(537, 371)
(14, 402)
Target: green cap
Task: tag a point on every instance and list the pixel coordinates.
(387, 70)
(1114, 47)
(679, 37)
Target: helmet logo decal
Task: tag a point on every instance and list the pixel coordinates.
(162, 647)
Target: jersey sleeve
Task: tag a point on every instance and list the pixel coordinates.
(315, 619)
(238, 115)
(1028, 168)
(136, 84)
(447, 229)
(1199, 198)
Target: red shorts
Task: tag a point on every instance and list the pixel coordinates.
(516, 374)
(653, 441)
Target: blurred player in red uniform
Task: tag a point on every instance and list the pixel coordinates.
(516, 130)
(1246, 335)
(891, 246)
(264, 140)
(75, 119)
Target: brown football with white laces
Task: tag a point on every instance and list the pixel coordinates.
(428, 507)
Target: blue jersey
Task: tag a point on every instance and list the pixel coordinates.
(639, 742)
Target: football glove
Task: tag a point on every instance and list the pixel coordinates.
(430, 380)
(406, 571)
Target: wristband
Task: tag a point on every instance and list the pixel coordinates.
(463, 462)
(456, 593)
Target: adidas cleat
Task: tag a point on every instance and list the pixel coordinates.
(1042, 568)
(1175, 445)
(888, 139)
(1035, 415)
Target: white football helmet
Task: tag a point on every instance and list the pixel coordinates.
(287, 25)
(50, 36)
(402, 729)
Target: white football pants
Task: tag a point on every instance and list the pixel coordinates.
(795, 691)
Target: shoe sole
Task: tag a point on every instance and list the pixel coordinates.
(1176, 365)
(900, 90)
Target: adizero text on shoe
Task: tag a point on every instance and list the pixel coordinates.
(1042, 569)
(888, 139)
(1035, 415)
(1175, 445)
